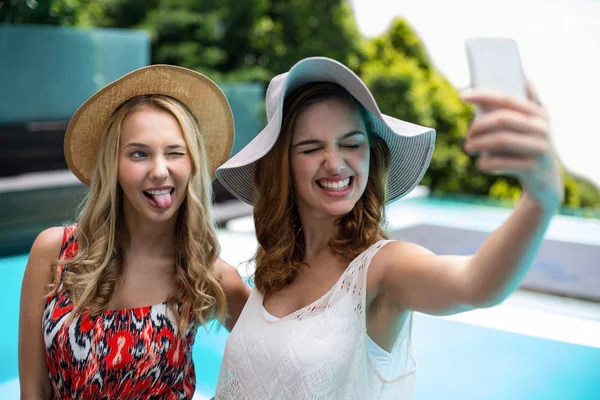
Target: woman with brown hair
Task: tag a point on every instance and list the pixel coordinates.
(110, 306)
(330, 317)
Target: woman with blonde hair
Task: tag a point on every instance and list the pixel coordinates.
(110, 306)
(330, 316)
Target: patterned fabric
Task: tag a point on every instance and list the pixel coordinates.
(317, 352)
(124, 354)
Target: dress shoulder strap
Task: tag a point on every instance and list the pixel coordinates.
(373, 249)
(363, 260)
(68, 248)
(355, 277)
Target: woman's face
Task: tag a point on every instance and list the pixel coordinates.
(154, 165)
(329, 158)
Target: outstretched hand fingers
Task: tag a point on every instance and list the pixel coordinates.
(510, 143)
(507, 164)
(508, 120)
(492, 100)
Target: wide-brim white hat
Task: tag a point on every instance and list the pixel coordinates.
(410, 145)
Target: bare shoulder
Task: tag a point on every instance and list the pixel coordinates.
(236, 290)
(404, 249)
(49, 240)
(225, 271)
(399, 252)
(38, 272)
(45, 251)
(231, 280)
(396, 255)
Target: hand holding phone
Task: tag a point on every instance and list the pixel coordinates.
(495, 64)
(512, 135)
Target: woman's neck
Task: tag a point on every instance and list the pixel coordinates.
(148, 238)
(317, 233)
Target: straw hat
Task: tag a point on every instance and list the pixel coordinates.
(411, 146)
(202, 96)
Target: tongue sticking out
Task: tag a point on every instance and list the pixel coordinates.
(163, 200)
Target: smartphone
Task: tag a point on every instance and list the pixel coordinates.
(494, 63)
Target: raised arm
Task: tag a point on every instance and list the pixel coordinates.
(512, 137)
(33, 373)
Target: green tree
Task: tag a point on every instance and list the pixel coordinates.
(397, 69)
(52, 12)
(239, 41)
(273, 35)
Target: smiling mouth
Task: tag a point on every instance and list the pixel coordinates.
(337, 186)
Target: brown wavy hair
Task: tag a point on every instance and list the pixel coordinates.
(91, 276)
(281, 239)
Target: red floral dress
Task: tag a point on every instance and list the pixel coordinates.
(119, 354)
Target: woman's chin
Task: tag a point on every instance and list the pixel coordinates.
(340, 209)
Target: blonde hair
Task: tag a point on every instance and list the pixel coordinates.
(90, 277)
(281, 241)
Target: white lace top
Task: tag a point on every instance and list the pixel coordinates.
(379, 357)
(317, 352)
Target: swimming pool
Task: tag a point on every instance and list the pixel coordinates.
(532, 347)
